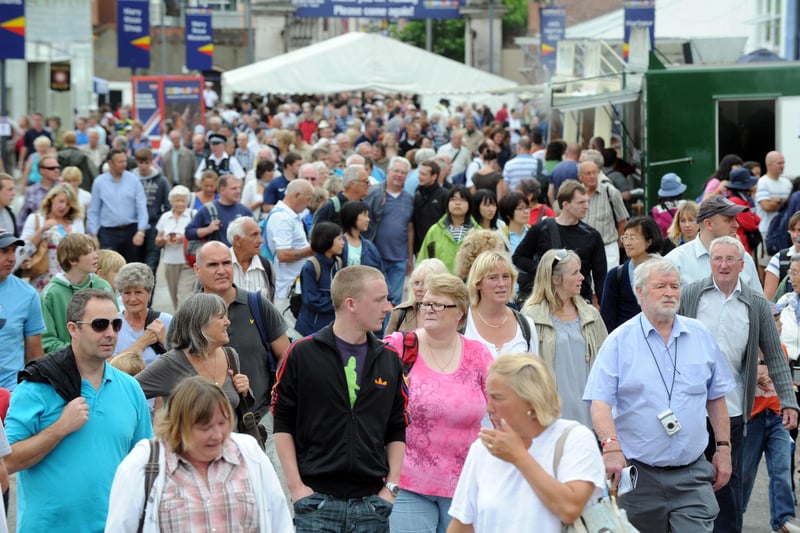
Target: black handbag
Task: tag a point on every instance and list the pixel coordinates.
(247, 420)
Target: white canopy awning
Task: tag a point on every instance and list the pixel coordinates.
(362, 62)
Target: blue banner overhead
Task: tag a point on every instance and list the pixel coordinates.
(553, 23)
(199, 40)
(380, 9)
(133, 33)
(639, 14)
(12, 29)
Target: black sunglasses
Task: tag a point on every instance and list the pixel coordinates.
(52, 168)
(101, 324)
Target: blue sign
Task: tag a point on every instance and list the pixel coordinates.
(554, 24)
(133, 33)
(380, 9)
(12, 29)
(639, 14)
(199, 40)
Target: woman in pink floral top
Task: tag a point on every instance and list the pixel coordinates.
(446, 401)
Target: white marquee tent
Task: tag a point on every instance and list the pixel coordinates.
(365, 62)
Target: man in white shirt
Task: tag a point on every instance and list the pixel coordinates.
(251, 272)
(287, 241)
(458, 152)
(772, 192)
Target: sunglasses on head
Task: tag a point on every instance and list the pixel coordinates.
(560, 256)
(101, 324)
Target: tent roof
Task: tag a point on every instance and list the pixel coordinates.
(675, 19)
(360, 61)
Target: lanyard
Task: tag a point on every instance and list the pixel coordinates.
(655, 360)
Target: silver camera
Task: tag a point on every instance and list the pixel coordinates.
(670, 422)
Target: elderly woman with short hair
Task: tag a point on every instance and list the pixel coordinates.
(509, 481)
(143, 329)
(198, 455)
(171, 229)
(199, 336)
(446, 396)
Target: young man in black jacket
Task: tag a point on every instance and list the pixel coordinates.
(340, 414)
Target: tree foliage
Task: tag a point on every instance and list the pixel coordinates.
(448, 34)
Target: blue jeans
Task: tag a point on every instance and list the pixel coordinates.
(395, 274)
(322, 513)
(765, 433)
(418, 513)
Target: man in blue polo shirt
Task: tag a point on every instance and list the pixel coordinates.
(72, 420)
(21, 321)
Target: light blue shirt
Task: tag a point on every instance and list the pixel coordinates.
(68, 489)
(412, 182)
(126, 337)
(21, 310)
(117, 203)
(694, 263)
(625, 376)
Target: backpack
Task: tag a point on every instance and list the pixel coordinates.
(191, 246)
(222, 168)
(785, 285)
(777, 234)
(410, 351)
(265, 251)
(296, 298)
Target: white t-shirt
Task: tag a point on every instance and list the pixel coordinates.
(285, 231)
(515, 345)
(493, 496)
(769, 188)
(168, 223)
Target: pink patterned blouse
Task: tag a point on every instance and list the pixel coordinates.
(446, 412)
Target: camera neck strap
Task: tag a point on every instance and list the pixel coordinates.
(673, 360)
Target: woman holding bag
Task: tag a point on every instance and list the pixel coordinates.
(208, 478)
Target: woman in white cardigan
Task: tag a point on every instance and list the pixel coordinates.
(208, 477)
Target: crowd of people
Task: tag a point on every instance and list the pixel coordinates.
(443, 323)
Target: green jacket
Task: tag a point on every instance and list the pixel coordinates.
(439, 243)
(55, 297)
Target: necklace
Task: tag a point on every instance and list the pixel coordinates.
(433, 357)
(501, 324)
(214, 375)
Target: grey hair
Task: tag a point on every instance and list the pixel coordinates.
(235, 228)
(351, 161)
(727, 239)
(135, 275)
(595, 157)
(179, 190)
(642, 272)
(584, 163)
(350, 174)
(402, 160)
(424, 154)
(190, 321)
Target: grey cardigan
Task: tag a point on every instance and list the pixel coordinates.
(763, 334)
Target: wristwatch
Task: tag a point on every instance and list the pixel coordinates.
(394, 488)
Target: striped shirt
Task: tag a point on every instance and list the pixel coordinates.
(601, 216)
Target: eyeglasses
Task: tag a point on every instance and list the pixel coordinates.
(727, 260)
(363, 181)
(52, 168)
(522, 208)
(794, 273)
(101, 324)
(560, 256)
(436, 306)
(629, 237)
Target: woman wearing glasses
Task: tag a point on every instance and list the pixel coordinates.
(199, 334)
(642, 237)
(570, 330)
(406, 316)
(446, 396)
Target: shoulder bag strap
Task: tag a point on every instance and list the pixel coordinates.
(559, 451)
(150, 475)
(524, 326)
